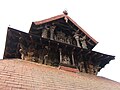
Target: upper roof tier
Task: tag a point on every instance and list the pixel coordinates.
(64, 22)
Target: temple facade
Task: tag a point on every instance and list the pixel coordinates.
(58, 41)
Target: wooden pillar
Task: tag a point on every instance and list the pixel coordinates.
(77, 39)
(44, 33)
(45, 58)
(52, 32)
(60, 55)
(73, 61)
(83, 42)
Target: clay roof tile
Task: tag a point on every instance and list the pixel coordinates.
(19, 74)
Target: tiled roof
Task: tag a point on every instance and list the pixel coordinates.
(49, 19)
(18, 74)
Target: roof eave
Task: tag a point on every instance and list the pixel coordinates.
(80, 28)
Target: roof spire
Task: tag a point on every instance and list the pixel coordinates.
(65, 12)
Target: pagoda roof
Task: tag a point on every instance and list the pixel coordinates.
(12, 50)
(71, 20)
(25, 75)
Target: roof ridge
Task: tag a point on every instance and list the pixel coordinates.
(49, 19)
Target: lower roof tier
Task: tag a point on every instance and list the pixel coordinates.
(18, 74)
(17, 40)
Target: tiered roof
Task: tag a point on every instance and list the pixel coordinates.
(61, 22)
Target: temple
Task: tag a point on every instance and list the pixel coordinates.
(58, 41)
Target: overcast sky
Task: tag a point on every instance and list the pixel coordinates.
(100, 18)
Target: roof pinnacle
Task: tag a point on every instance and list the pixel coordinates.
(65, 12)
